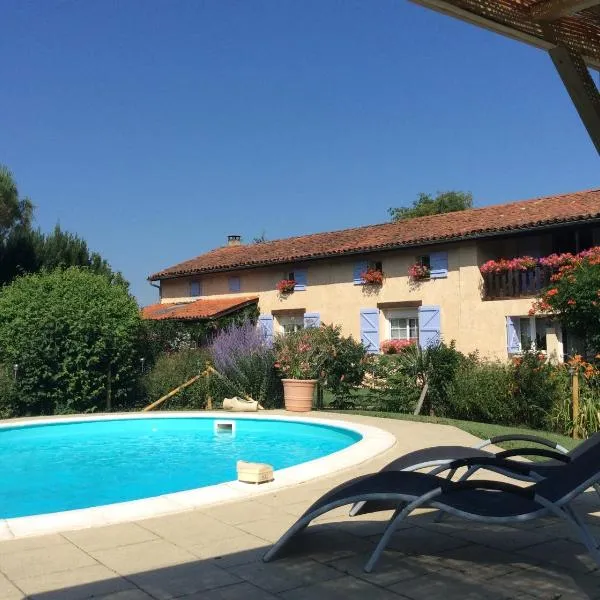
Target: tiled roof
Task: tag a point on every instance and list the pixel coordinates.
(205, 308)
(478, 222)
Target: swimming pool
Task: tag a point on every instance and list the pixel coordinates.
(63, 466)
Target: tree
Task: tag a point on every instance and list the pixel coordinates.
(426, 204)
(261, 239)
(74, 336)
(573, 297)
(14, 211)
(26, 250)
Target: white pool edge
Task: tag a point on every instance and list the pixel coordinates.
(374, 442)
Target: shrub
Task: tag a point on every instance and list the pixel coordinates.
(8, 393)
(74, 335)
(343, 369)
(536, 389)
(393, 390)
(171, 371)
(481, 391)
(247, 365)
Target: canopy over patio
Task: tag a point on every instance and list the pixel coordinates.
(568, 29)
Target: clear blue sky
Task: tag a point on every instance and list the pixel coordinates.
(154, 128)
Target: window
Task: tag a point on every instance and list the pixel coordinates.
(533, 333)
(290, 323)
(300, 277)
(403, 325)
(234, 284)
(195, 288)
(424, 261)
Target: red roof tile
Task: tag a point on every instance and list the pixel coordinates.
(478, 222)
(205, 308)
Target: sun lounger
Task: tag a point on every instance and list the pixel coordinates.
(485, 501)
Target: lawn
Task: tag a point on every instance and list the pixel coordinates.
(481, 430)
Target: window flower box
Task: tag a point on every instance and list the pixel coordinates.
(372, 277)
(286, 286)
(419, 272)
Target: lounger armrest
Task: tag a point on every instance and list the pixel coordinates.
(492, 461)
(523, 437)
(535, 452)
(486, 484)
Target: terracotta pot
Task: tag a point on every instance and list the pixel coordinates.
(298, 394)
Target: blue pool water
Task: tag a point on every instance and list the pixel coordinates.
(57, 467)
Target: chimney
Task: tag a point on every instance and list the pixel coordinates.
(234, 240)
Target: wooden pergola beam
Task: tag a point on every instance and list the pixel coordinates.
(447, 7)
(550, 10)
(581, 88)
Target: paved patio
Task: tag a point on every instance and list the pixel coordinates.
(214, 554)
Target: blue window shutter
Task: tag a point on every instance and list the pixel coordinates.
(312, 320)
(234, 284)
(195, 288)
(300, 279)
(513, 335)
(369, 329)
(359, 269)
(265, 322)
(438, 262)
(429, 326)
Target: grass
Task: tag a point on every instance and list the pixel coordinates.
(480, 430)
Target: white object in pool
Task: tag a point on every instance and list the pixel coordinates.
(254, 472)
(225, 427)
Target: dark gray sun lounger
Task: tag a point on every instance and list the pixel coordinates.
(485, 501)
(438, 458)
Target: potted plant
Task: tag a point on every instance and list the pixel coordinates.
(300, 359)
(418, 272)
(286, 286)
(372, 277)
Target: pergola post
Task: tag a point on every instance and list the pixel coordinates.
(581, 88)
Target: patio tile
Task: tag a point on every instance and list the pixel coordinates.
(8, 591)
(485, 562)
(269, 529)
(417, 540)
(242, 512)
(128, 595)
(182, 580)
(546, 583)
(111, 536)
(76, 584)
(31, 543)
(285, 574)
(189, 528)
(325, 543)
(238, 591)
(563, 553)
(344, 588)
(145, 556)
(445, 584)
(43, 561)
(496, 536)
(392, 567)
(240, 550)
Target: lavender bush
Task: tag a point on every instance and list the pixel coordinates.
(247, 364)
(234, 342)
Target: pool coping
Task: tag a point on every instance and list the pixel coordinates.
(374, 442)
